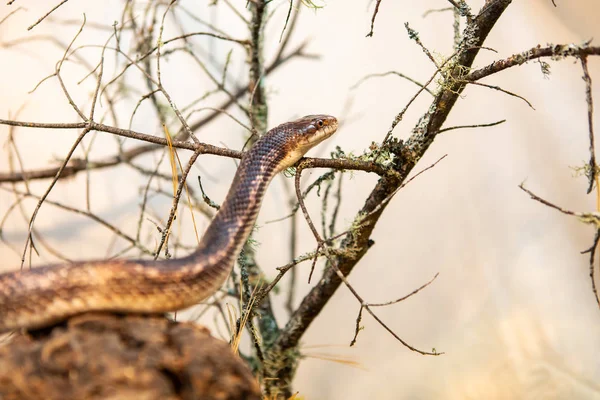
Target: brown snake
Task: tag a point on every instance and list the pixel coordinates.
(45, 295)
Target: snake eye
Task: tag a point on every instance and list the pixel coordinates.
(320, 123)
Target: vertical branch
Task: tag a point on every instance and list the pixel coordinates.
(258, 100)
(258, 112)
(592, 251)
(289, 303)
(590, 103)
(146, 42)
(456, 27)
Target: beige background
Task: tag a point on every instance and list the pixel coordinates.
(512, 308)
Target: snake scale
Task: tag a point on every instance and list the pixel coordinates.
(43, 296)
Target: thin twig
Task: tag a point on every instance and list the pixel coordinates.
(503, 91)
(180, 186)
(375, 12)
(415, 36)
(471, 126)
(592, 218)
(10, 14)
(417, 290)
(45, 15)
(437, 10)
(380, 75)
(58, 69)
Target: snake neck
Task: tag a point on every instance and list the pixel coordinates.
(234, 222)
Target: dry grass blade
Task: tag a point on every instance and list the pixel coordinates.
(238, 329)
(336, 359)
(171, 159)
(173, 170)
(174, 161)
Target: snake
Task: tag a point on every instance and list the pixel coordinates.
(46, 295)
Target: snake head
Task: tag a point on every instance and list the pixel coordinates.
(303, 134)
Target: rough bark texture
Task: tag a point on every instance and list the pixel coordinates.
(105, 356)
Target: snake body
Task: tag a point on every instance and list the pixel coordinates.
(45, 295)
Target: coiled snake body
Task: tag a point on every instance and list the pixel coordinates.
(42, 296)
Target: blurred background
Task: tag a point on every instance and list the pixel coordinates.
(512, 308)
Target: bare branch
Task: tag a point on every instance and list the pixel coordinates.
(417, 290)
(559, 50)
(10, 14)
(503, 91)
(592, 250)
(45, 15)
(472, 126)
(415, 36)
(58, 69)
(592, 218)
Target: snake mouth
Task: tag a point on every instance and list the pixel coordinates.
(321, 128)
(331, 128)
(307, 142)
(324, 133)
(306, 133)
